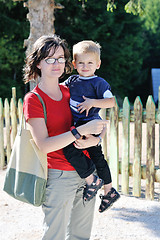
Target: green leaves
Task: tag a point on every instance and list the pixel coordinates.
(132, 6)
(120, 34)
(13, 30)
(130, 42)
(135, 7)
(111, 5)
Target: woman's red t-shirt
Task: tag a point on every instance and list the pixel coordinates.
(59, 120)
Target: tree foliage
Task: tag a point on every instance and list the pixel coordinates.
(130, 42)
(135, 7)
(13, 30)
(119, 33)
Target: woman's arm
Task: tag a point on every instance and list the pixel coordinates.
(47, 144)
(89, 140)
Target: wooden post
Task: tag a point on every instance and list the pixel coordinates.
(14, 93)
(114, 146)
(20, 109)
(126, 146)
(104, 141)
(7, 129)
(150, 164)
(2, 156)
(13, 120)
(137, 147)
(143, 171)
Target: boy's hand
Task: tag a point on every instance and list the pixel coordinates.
(86, 105)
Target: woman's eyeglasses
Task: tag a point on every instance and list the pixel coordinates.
(53, 60)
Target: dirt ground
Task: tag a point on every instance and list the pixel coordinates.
(130, 219)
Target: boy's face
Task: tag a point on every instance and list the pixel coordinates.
(86, 64)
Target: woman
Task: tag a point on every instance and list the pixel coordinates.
(66, 217)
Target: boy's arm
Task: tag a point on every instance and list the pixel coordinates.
(99, 103)
(64, 83)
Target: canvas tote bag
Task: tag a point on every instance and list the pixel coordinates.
(26, 174)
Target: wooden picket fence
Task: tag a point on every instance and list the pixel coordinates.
(10, 114)
(150, 116)
(121, 166)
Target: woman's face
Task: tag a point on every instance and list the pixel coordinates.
(53, 70)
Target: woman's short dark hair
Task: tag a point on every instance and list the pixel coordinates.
(41, 50)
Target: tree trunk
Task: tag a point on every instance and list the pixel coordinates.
(41, 18)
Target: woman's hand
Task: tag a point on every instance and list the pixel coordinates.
(92, 127)
(89, 141)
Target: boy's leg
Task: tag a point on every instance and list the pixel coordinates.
(101, 164)
(83, 165)
(85, 168)
(97, 157)
(103, 171)
(81, 220)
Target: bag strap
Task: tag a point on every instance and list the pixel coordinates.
(44, 107)
(22, 117)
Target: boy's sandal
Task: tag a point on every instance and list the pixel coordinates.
(91, 190)
(110, 200)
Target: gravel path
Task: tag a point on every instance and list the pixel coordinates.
(130, 219)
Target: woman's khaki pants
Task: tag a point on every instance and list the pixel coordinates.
(67, 217)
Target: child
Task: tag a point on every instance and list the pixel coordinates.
(89, 93)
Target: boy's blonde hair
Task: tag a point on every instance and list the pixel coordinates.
(86, 46)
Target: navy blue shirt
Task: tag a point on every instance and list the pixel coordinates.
(91, 87)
